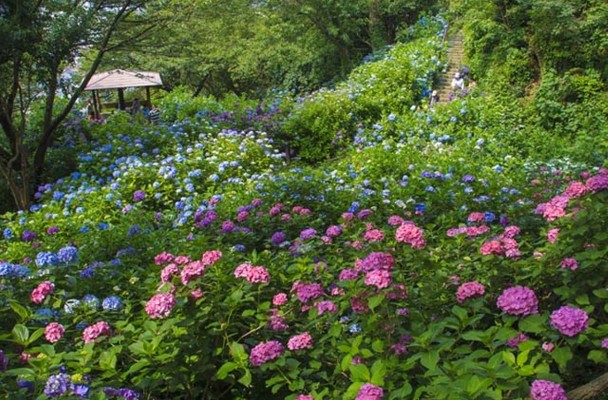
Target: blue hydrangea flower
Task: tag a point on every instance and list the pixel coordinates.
(46, 259)
(57, 385)
(112, 303)
(8, 233)
(91, 301)
(6, 269)
(68, 254)
(354, 328)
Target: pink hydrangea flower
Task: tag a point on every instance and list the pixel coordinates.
(511, 231)
(476, 217)
(300, 342)
(41, 291)
(375, 261)
(552, 235)
(569, 263)
(265, 352)
(518, 300)
(395, 220)
(576, 189)
(604, 343)
(547, 390)
(379, 278)
(492, 247)
(548, 347)
(160, 305)
(211, 257)
(279, 299)
(53, 332)
(569, 321)
(252, 273)
(472, 231)
(305, 397)
(516, 340)
(181, 260)
(333, 231)
(277, 322)
(166, 275)
(370, 392)
(191, 271)
(306, 292)
(92, 332)
(374, 235)
(468, 290)
(163, 258)
(410, 234)
(325, 306)
(242, 216)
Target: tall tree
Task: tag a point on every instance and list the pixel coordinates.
(40, 39)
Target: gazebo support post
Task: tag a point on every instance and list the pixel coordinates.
(121, 100)
(148, 96)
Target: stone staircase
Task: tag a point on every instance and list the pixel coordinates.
(455, 61)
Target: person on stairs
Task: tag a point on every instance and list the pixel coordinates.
(434, 99)
(457, 82)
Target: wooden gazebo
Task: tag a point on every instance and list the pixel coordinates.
(120, 79)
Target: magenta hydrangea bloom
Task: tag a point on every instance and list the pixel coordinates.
(597, 183)
(375, 261)
(92, 332)
(279, 299)
(53, 332)
(379, 278)
(468, 290)
(306, 292)
(547, 390)
(42, 290)
(569, 263)
(211, 257)
(325, 306)
(266, 351)
(160, 305)
(410, 234)
(191, 271)
(569, 321)
(604, 343)
(305, 397)
(300, 342)
(252, 273)
(518, 300)
(370, 392)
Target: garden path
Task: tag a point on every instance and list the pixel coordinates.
(455, 61)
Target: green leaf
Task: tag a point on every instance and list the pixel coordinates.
(597, 356)
(429, 360)
(225, 369)
(508, 357)
(522, 358)
(35, 336)
(401, 393)
(360, 373)
(460, 312)
(582, 299)
(532, 323)
(601, 293)
(21, 334)
(375, 301)
(21, 311)
(238, 351)
(378, 372)
(378, 346)
(474, 336)
(561, 356)
(245, 380)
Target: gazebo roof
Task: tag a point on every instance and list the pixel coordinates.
(119, 79)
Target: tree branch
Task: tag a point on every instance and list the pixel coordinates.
(590, 390)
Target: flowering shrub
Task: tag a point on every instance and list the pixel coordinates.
(186, 261)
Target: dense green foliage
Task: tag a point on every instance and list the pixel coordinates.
(331, 245)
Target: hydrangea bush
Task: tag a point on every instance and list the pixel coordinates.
(186, 260)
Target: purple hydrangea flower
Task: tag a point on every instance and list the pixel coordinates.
(518, 300)
(569, 321)
(57, 385)
(547, 390)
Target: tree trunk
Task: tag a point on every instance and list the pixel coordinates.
(591, 390)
